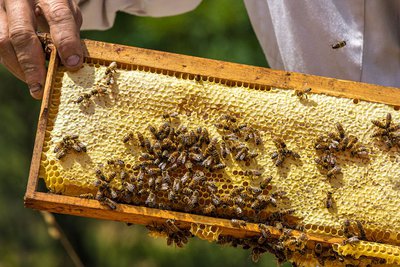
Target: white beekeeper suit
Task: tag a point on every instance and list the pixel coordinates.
(297, 35)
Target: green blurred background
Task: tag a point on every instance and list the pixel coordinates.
(216, 29)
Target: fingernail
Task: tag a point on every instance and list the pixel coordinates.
(35, 90)
(72, 60)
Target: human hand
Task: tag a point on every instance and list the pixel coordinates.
(20, 49)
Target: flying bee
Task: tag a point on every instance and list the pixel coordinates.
(301, 94)
(329, 200)
(238, 223)
(339, 44)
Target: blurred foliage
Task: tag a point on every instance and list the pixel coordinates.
(216, 29)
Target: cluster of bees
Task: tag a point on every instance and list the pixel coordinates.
(334, 143)
(283, 152)
(102, 87)
(388, 132)
(234, 136)
(67, 144)
(175, 235)
(172, 171)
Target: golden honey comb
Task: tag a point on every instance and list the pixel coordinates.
(367, 190)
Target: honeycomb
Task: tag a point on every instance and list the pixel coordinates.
(366, 189)
(206, 232)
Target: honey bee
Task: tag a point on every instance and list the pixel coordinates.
(109, 77)
(141, 139)
(204, 136)
(173, 157)
(236, 191)
(215, 200)
(340, 130)
(116, 162)
(61, 154)
(238, 200)
(224, 150)
(279, 143)
(176, 186)
(238, 210)
(218, 167)
(182, 158)
(212, 187)
(228, 118)
(128, 186)
(151, 200)
(210, 208)
(335, 170)
(196, 157)
(100, 175)
(360, 227)
(127, 137)
(253, 173)
(109, 203)
(329, 200)
(352, 241)
(301, 94)
(208, 162)
(172, 115)
(238, 223)
(186, 177)
(87, 195)
(171, 195)
(171, 226)
(153, 131)
(346, 229)
(193, 200)
(254, 190)
(339, 44)
(264, 183)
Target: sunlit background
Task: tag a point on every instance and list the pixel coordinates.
(217, 29)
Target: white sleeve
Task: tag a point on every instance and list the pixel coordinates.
(100, 14)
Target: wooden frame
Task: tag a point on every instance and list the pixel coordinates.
(228, 73)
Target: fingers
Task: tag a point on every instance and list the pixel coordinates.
(64, 20)
(7, 54)
(27, 47)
